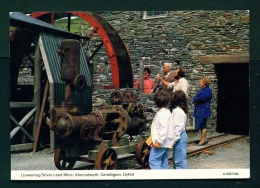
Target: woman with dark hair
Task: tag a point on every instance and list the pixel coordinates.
(178, 122)
(202, 101)
(148, 82)
(161, 133)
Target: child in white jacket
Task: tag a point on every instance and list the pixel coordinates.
(162, 134)
(178, 122)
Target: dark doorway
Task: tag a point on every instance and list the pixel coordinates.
(233, 98)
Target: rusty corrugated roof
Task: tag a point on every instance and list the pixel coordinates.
(26, 22)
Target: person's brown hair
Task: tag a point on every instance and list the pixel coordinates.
(161, 99)
(179, 99)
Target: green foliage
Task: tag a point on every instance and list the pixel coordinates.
(75, 25)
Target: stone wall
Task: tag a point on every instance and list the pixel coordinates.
(182, 35)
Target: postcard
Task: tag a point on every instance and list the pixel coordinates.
(105, 95)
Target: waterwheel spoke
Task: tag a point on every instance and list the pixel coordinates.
(63, 164)
(95, 51)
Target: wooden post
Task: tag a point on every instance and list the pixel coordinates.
(141, 84)
(82, 30)
(37, 87)
(40, 117)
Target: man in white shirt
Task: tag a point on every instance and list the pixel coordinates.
(180, 82)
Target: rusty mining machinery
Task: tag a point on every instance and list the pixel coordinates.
(81, 134)
(99, 133)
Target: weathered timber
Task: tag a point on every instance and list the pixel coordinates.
(20, 147)
(225, 59)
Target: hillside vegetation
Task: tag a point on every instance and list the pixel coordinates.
(77, 26)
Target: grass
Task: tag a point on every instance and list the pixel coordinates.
(75, 25)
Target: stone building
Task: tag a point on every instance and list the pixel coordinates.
(207, 43)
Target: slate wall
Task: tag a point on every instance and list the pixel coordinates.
(182, 35)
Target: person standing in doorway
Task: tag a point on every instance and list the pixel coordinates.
(148, 82)
(202, 102)
(161, 132)
(168, 77)
(178, 122)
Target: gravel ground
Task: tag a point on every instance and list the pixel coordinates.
(234, 155)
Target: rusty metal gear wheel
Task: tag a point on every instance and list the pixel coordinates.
(61, 161)
(106, 159)
(142, 153)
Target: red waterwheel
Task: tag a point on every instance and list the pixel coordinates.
(122, 74)
(23, 42)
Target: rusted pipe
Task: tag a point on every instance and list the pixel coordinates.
(52, 18)
(40, 116)
(68, 94)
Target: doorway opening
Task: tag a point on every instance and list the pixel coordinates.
(233, 98)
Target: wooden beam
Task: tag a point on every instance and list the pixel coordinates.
(20, 147)
(25, 132)
(26, 22)
(37, 86)
(22, 104)
(225, 59)
(14, 131)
